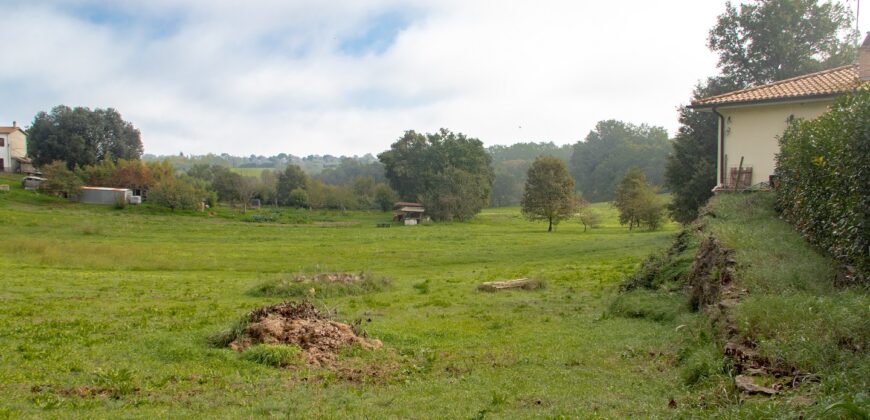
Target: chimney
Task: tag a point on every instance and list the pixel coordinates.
(864, 60)
(14, 124)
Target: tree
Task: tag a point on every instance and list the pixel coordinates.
(589, 218)
(759, 42)
(611, 149)
(298, 198)
(290, 179)
(637, 202)
(175, 193)
(60, 181)
(768, 40)
(79, 137)
(449, 172)
(690, 172)
(268, 191)
(549, 193)
(246, 188)
(385, 197)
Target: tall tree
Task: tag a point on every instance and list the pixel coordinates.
(757, 42)
(292, 178)
(449, 172)
(690, 172)
(79, 136)
(768, 40)
(549, 193)
(611, 149)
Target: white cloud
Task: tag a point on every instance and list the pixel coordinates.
(268, 76)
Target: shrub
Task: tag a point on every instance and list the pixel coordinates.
(275, 355)
(301, 286)
(175, 193)
(60, 181)
(824, 180)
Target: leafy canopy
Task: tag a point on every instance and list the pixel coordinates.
(611, 149)
(448, 172)
(549, 193)
(79, 137)
(768, 40)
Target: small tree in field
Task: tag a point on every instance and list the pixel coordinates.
(549, 193)
(636, 201)
(589, 218)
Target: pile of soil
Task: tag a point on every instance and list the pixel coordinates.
(347, 278)
(301, 324)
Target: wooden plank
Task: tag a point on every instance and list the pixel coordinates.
(524, 283)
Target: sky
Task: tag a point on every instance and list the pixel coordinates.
(348, 77)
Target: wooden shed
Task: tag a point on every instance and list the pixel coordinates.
(408, 213)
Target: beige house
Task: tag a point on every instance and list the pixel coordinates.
(751, 120)
(13, 148)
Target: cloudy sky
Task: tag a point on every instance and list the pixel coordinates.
(347, 77)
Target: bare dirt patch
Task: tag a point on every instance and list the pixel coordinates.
(301, 324)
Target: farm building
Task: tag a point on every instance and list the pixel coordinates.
(102, 195)
(13, 148)
(408, 213)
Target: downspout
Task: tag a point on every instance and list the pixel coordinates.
(721, 180)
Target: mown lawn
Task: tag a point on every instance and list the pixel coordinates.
(106, 313)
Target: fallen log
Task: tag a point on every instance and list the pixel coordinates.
(525, 284)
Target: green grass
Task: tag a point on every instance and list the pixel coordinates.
(274, 355)
(125, 301)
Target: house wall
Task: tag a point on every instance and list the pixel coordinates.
(753, 132)
(14, 145)
(4, 153)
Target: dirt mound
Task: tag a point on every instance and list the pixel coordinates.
(301, 324)
(346, 278)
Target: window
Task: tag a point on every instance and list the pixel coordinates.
(2, 142)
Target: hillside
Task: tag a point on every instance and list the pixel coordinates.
(761, 312)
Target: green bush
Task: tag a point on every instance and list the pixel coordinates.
(275, 355)
(824, 180)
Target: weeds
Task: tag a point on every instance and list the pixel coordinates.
(275, 355)
(300, 286)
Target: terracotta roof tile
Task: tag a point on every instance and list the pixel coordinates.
(827, 82)
(9, 130)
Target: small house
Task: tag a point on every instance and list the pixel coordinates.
(751, 120)
(408, 213)
(103, 195)
(13, 148)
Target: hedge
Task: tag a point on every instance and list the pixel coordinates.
(823, 177)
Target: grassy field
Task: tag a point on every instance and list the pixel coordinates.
(106, 313)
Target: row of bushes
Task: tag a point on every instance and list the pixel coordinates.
(823, 173)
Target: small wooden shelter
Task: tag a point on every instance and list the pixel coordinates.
(408, 213)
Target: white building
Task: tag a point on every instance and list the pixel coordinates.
(13, 148)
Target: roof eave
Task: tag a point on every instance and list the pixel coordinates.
(769, 101)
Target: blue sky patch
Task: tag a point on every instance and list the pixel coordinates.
(376, 35)
(116, 17)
